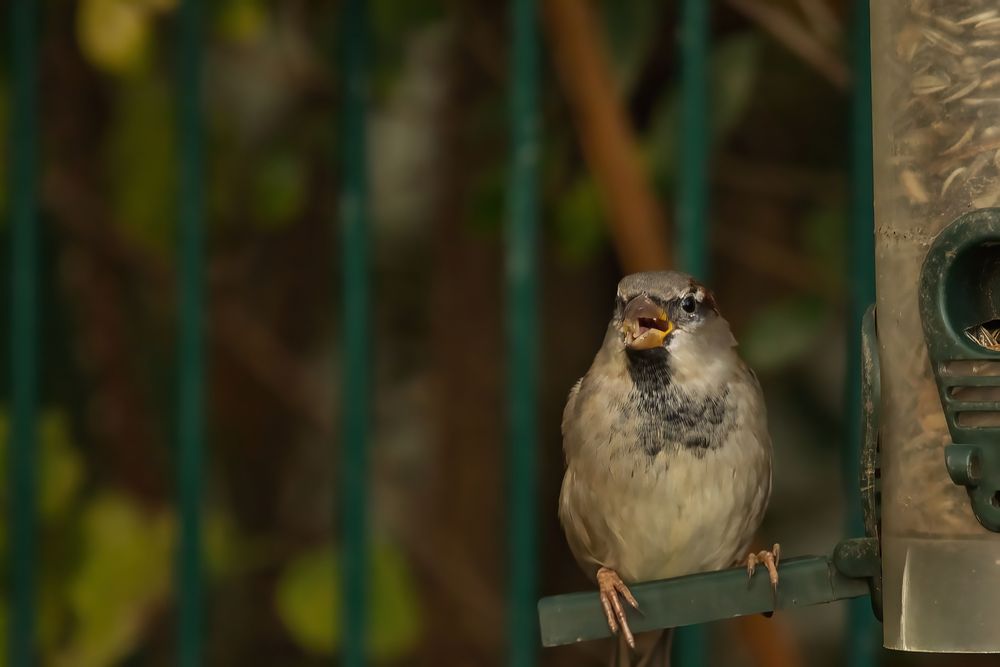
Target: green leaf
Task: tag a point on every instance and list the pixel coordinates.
(62, 469)
(124, 575)
(823, 240)
(783, 332)
(580, 231)
(630, 28)
(735, 66)
(307, 599)
(279, 190)
(393, 24)
(242, 21)
(59, 461)
(140, 162)
(222, 542)
(395, 608)
(114, 35)
(487, 201)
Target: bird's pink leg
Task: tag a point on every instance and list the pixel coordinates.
(611, 586)
(770, 561)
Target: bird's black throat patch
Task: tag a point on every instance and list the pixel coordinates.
(649, 367)
(668, 415)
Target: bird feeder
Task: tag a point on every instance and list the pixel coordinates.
(936, 117)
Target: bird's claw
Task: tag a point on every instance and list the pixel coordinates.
(611, 586)
(770, 560)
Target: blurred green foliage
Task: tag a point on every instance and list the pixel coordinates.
(242, 21)
(824, 241)
(278, 191)
(123, 575)
(60, 464)
(734, 69)
(630, 28)
(106, 561)
(267, 191)
(580, 230)
(115, 35)
(783, 332)
(307, 601)
(393, 23)
(140, 161)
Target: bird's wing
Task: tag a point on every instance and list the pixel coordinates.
(751, 372)
(577, 531)
(570, 405)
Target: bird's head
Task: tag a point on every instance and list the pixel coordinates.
(668, 311)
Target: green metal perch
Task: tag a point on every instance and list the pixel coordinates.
(712, 596)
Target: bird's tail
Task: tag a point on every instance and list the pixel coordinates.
(652, 649)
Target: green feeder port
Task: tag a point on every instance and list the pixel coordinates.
(960, 308)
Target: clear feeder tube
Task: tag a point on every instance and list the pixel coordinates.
(936, 117)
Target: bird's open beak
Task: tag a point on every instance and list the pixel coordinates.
(644, 324)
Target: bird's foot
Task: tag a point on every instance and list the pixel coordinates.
(770, 561)
(611, 586)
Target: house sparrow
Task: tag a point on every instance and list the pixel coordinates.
(667, 451)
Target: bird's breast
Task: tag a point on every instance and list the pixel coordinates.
(660, 484)
(666, 417)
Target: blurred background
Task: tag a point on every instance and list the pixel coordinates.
(779, 77)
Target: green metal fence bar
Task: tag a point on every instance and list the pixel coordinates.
(522, 332)
(690, 647)
(191, 376)
(356, 353)
(23, 221)
(692, 184)
(862, 628)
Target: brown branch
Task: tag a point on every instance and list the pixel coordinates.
(268, 362)
(822, 20)
(796, 39)
(610, 148)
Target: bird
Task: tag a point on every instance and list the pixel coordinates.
(668, 456)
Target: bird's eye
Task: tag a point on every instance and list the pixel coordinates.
(688, 304)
